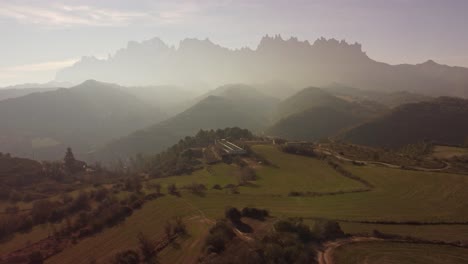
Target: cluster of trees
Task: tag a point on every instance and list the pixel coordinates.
(337, 167)
(322, 230)
(109, 211)
(148, 249)
(259, 214)
(304, 150)
(292, 241)
(219, 235)
(419, 149)
(146, 253)
(246, 175)
(196, 188)
(180, 158)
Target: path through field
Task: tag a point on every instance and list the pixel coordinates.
(326, 256)
(389, 165)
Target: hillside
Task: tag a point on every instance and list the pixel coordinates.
(389, 99)
(313, 114)
(308, 98)
(235, 105)
(170, 99)
(202, 63)
(41, 125)
(312, 124)
(443, 120)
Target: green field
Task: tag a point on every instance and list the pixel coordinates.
(447, 152)
(297, 173)
(398, 195)
(447, 233)
(21, 240)
(221, 174)
(399, 253)
(150, 220)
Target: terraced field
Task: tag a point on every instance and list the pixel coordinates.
(399, 253)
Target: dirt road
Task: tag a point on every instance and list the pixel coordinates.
(326, 256)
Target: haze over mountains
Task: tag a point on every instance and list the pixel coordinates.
(227, 106)
(358, 97)
(203, 64)
(43, 124)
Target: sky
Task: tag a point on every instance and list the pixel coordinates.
(39, 37)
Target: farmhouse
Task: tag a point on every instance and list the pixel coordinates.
(230, 148)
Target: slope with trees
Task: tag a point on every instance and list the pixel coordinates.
(443, 120)
(39, 125)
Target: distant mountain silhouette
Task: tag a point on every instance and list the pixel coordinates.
(28, 88)
(314, 113)
(42, 125)
(228, 106)
(201, 63)
(443, 120)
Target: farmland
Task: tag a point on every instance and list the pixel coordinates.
(447, 152)
(401, 253)
(397, 196)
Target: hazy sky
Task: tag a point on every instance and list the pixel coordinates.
(40, 36)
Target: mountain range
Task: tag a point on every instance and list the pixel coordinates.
(203, 64)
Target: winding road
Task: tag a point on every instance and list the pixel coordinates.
(326, 256)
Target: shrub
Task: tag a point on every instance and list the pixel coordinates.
(41, 211)
(233, 214)
(147, 248)
(220, 234)
(255, 213)
(127, 257)
(172, 189)
(36, 258)
(179, 226)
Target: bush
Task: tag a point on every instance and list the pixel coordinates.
(233, 214)
(255, 213)
(41, 211)
(36, 258)
(197, 189)
(247, 174)
(147, 248)
(328, 230)
(220, 234)
(127, 257)
(179, 226)
(172, 189)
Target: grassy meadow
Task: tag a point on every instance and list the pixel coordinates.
(447, 152)
(399, 253)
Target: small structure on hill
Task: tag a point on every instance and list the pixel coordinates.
(230, 148)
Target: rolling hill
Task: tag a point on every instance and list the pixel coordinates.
(313, 113)
(233, 105)
(389, 99)
(443, 120)
(41, 125)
